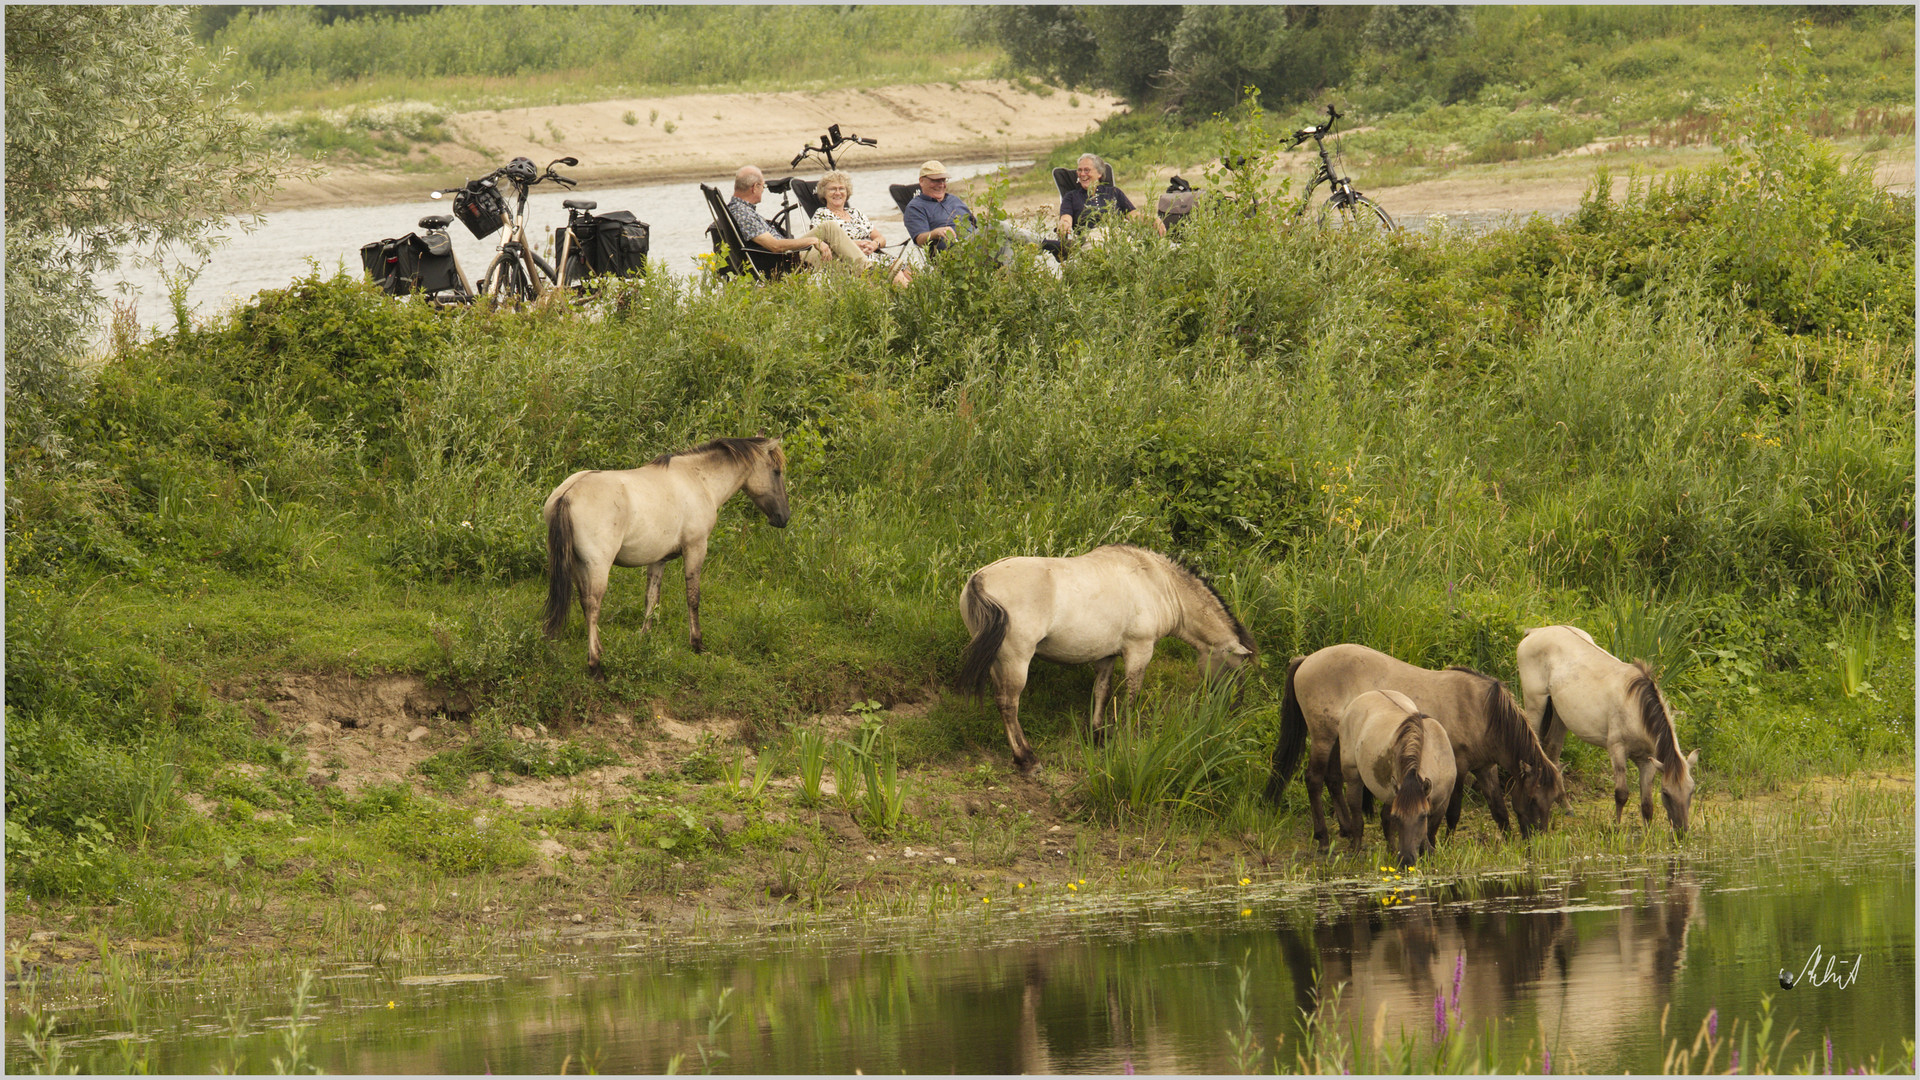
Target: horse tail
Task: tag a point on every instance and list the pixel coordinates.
(559, 565)
(1293, 737)
(1547, 717)
(986, 613)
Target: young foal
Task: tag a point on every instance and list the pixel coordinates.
(1114, 601)
(1391, 751)
(1569, 683)
(645, 516)
(1488, 730)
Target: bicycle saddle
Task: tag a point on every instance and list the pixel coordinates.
(436, 221)
(579, 204)
(780, 186)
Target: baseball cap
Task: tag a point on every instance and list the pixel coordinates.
(933, 170)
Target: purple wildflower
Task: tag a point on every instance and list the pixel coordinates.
(1733, 1064)
(1546, 1062)
(1828, 1039)
(1459, 972)
(1713, 1023)
(1439, 1018)
(1126, 1067)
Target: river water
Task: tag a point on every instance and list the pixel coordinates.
(292, 242)
(1583, 961)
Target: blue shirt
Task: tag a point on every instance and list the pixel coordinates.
(925, 215)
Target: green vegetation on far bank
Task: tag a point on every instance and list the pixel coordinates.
(1682, 420)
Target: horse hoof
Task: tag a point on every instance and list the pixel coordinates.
(597, 672)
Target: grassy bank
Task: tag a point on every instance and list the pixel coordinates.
(1682, 420)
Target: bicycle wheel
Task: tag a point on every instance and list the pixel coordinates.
(506, 282)
(1354, 212)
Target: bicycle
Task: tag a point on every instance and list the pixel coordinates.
(1346, 208)
(517, 275)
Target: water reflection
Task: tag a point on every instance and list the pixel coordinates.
(1583, 962)
(1579, 961)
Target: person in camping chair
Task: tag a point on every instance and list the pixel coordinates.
(936, 217)
(825, 243)
(1089, 207)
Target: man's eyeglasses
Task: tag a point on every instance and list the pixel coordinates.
(940, 182)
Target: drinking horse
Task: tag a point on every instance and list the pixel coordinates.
(1115, 601)
(1487, 729)
(1391, 751)
(1569, 683)
(599, 519)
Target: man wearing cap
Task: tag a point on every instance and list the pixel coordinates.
(935, 216)
(826, 243)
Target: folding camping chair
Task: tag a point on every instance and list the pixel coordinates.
(739, 256)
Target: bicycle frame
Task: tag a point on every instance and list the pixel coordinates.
(513, 249)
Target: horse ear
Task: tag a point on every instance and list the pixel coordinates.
(1426, 787)
(1693, 759)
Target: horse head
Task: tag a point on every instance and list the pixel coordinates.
(1539, 786)
(1676, 788)
(767, 482)
(1412, 805)
(1224, 658)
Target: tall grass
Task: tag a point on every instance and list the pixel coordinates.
(1193, 755)
(486, 57)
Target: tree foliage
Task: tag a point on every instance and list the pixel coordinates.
(114, 138)
(1198, 58)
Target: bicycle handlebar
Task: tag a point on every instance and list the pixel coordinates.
(829, 142)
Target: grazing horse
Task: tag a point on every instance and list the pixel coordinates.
(597, 520)
(1569, 683)
(1487, 728)
(1114, 601)
(1391, 751)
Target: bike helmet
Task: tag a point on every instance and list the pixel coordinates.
(521, 171)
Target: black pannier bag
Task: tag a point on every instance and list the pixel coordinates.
(412, 263)
(614, 243)
(478, 205)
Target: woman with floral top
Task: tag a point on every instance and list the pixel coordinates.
(836, 191)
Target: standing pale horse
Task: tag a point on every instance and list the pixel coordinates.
(597, 520)
(1569, 683)
(1488, 730)
(1114, 601)
(1391, 751)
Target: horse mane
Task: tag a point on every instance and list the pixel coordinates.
(1508, 723)
(1653, 717)
(1239, 629)
(1409, 742)
(739, 451)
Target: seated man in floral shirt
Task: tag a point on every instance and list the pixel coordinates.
(825, 243)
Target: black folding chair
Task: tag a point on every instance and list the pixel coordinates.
(807, 192)
(1067, 179)
(737, 255)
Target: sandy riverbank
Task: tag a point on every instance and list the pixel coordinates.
(707, 136)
